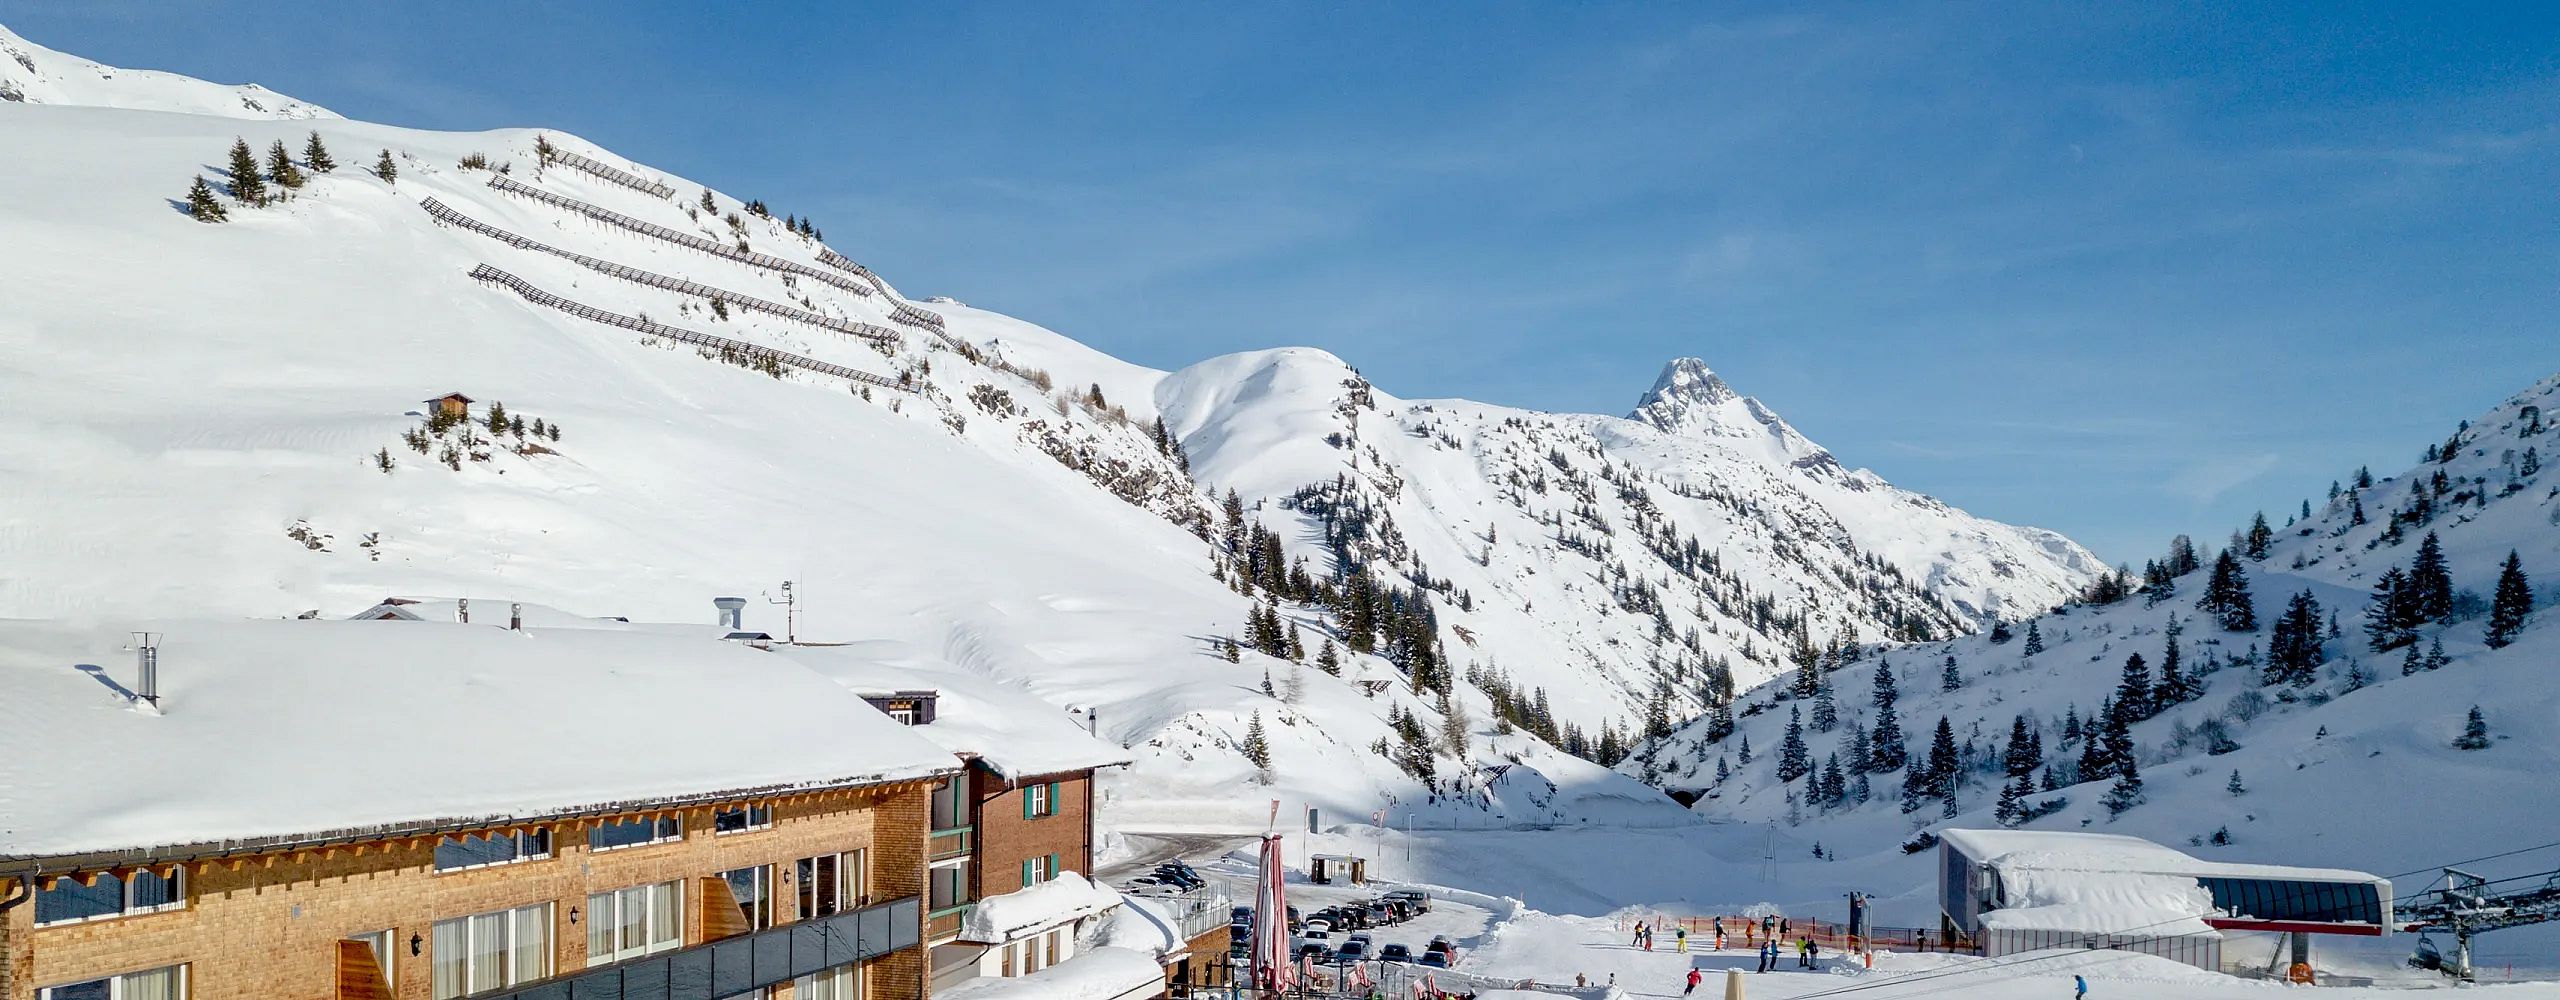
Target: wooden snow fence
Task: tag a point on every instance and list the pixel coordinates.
(653, 328)
(446, 214)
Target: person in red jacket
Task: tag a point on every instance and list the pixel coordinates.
(1694, 977)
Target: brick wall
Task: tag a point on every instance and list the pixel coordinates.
(1006, 839)
(267, 927)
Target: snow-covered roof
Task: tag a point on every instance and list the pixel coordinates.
(306, 729)
(1098, 974)
(1012, 732)
(1032, 909)
(1142, 926)
(2058, 851)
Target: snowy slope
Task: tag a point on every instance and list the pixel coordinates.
(204, 410)
(2353, 772)
(33, 74)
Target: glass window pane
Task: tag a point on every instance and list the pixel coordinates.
(600, 925)
(157, 984)
(96, 989)
(488, 951)
(150, 890)
(666, 918)
(631, 919)
(533, 943)
(451, 953)
(537, 843)
(67, 899)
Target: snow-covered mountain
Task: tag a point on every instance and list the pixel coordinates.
(232, 419)
(2356, 765)
(33, 74)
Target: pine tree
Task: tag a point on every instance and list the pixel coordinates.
(2234, 786)
(1826, 713)
(2475, 732)
(1327, 660)
(2511, 605)
(1268, 691)
(1915, 792)
(1835, 785)
(2294, 650)
(2226, 596)
(247, 187)
(317, 154)
(2531, 464)
(497, 417)
(1724, 771)
(280, 168)
(2013, 798)
(1950, 678)
(202, 204)
(1719, 722)
(1227, 647)
(2431, 580)
(1257, 745)
(2173, 688)
(2127, 791)
(2259, 537)
(1743, 753)
(1794, 759)
(1887, 739)
(2133, 690)
(2023, 754)
(1944, 767)
(2412, 664)
(2391, 617)
(2035, 639)
(384, 168)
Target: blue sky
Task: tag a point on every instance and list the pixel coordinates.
(2120, 270)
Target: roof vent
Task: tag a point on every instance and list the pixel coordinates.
(515, 617)
(733, 611)
(146, 663)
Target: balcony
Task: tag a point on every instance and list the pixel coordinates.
(741, 964)
(952, 843)
(944, 923)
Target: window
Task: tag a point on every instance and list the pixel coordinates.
(843, 982)
(947, 885)
(67, 901)
(629, 923)
(1039, 800)
(832, 882)
(168, 983)
(633, 832)
(380, 944)
(483, 850)
(753, 888)
(742, 818)
(1038, 870)
(951, 803)
(488, 951)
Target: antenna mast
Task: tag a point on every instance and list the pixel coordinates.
(790, 602)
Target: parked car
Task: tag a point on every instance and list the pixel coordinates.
(1419, 901)
(1316, 925)
(1380, 914)
(1441, 942)
(1324, 938)
(1353, 916)
(1183, 877)
(1434, 959)
(1395, 953)
(1359, 936)
(1244, 915)
(1351, 951)
(1312, 951)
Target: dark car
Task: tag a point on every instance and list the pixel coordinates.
(1395, 953)
(1441, 942)
(1242, 915)
(1380, 913)
(1312, 950)
(1351, 951)
(1419, 902)
(1435, 959)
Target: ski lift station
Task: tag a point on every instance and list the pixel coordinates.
(2011, 891)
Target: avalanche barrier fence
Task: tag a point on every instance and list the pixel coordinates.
(653, 328)
(445, 214)
(615, 174)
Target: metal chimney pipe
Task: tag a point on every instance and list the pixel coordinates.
(515, 616)
(146, 662)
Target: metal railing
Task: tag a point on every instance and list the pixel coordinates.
(713, 247)
(614, 174)
(653, 328)
(946, 922)
(445, 214)
(742, 964)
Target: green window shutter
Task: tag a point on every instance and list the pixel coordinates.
(1030, 808)
(1053, 866)
(1053, 798)
(1026, 874)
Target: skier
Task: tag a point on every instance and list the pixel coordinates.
(1648, 939)
(1680, 939)
(1694, 977)
(1769, 954)
(1804, 953)
(1769, 927)
(1637, 941)
(1719, 933)
(2079, 988)
(1812, 954)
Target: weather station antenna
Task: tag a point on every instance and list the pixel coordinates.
(790, 601)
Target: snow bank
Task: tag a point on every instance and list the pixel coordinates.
(292, 728)
(1100, 974)
(1068, 897)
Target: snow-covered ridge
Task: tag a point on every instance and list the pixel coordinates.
(33, 74)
